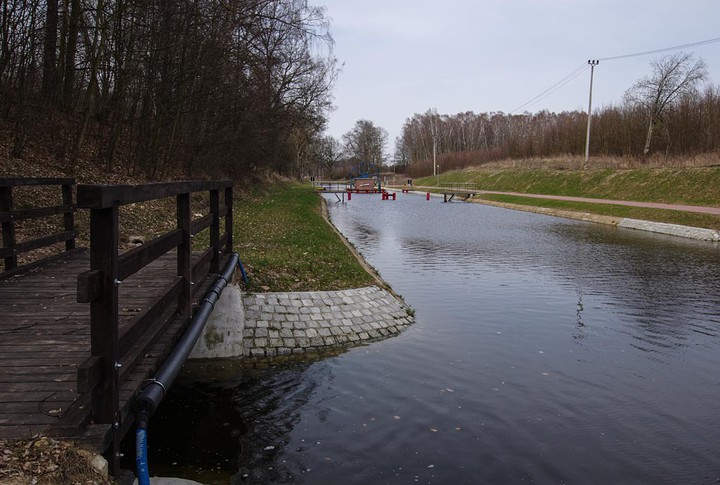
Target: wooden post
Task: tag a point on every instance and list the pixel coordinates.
(184, 253)
(229, 219)
(8, 227)
(68, 217)
(105, 398)
(215, 230)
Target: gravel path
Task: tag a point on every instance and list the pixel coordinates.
(630, 203)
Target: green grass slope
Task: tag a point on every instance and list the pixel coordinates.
(694, 186)
(287, 245)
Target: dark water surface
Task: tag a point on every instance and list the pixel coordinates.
(545, 351)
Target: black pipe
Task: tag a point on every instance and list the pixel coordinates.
(156, 388)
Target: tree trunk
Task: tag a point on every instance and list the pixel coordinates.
(49, 79)
(651, 125)
(92, 87)
(70, 50)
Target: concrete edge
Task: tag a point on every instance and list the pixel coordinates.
(698, 233)
(677, 230)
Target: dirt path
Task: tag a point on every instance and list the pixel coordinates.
(652, 205)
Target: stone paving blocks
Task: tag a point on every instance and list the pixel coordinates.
(295, 322)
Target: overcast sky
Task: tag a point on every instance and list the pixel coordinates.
(402, 57)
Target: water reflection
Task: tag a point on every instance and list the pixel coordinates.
(227, 421)
(643, 277)
(545, 350)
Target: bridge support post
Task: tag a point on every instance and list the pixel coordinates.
(229, 219)
(68, 217)
(215, 231)
(184, 253)
(8, 227)
(105, 398)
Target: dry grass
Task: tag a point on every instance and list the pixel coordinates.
(570, 162)
(472, 161)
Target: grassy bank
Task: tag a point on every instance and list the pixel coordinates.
(286, 245)
(692, 186)
(619, 211)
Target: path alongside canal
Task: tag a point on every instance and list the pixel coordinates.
(679, 230)
(628, 203)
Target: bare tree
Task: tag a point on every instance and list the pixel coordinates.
(673, 76)
(365, 144)
(401, 156)
(328, 152)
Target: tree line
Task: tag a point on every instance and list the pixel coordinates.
(202, 86)
(665, 113)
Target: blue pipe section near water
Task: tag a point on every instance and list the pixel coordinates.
(141, 456)
(152, 395)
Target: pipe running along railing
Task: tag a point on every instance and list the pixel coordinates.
(156, 388)
(115, 350)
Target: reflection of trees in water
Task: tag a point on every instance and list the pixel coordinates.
(666, 286)
(650, 279)
(269, 405)
(236, 418)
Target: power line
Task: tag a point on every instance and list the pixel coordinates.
(562, 82)
(583, 67)
(666, 49)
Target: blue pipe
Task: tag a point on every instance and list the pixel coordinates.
(154, 392)
(141, 456)
(242, 271)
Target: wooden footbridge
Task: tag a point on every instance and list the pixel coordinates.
(463, 190)
(82, 330)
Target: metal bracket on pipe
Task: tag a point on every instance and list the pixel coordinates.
(147, 382)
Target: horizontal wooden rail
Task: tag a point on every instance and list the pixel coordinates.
(134, 330)
(117, 348)
(136, 259)
(26, 181)
(36, 213)
(9, 216)
(198, 225)
(38, 243)
(103, 196)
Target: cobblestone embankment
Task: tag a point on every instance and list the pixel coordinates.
(294, 323)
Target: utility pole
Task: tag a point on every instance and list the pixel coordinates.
(434, 157)
(436, 169)
(593, 63)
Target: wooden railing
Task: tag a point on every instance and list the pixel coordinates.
(10, 215)
(116, 351)
(331, 184)
(459, 186)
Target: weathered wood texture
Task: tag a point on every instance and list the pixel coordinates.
(45, 340)
(78, 336)
(10, 215)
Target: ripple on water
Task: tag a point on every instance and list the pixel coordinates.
(544, 350)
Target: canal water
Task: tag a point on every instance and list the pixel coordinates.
(544, 351)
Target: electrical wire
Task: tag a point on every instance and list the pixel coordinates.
(665, 49)
(583, 67)
(562, 82)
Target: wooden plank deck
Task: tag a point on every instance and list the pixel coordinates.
(45, 336)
